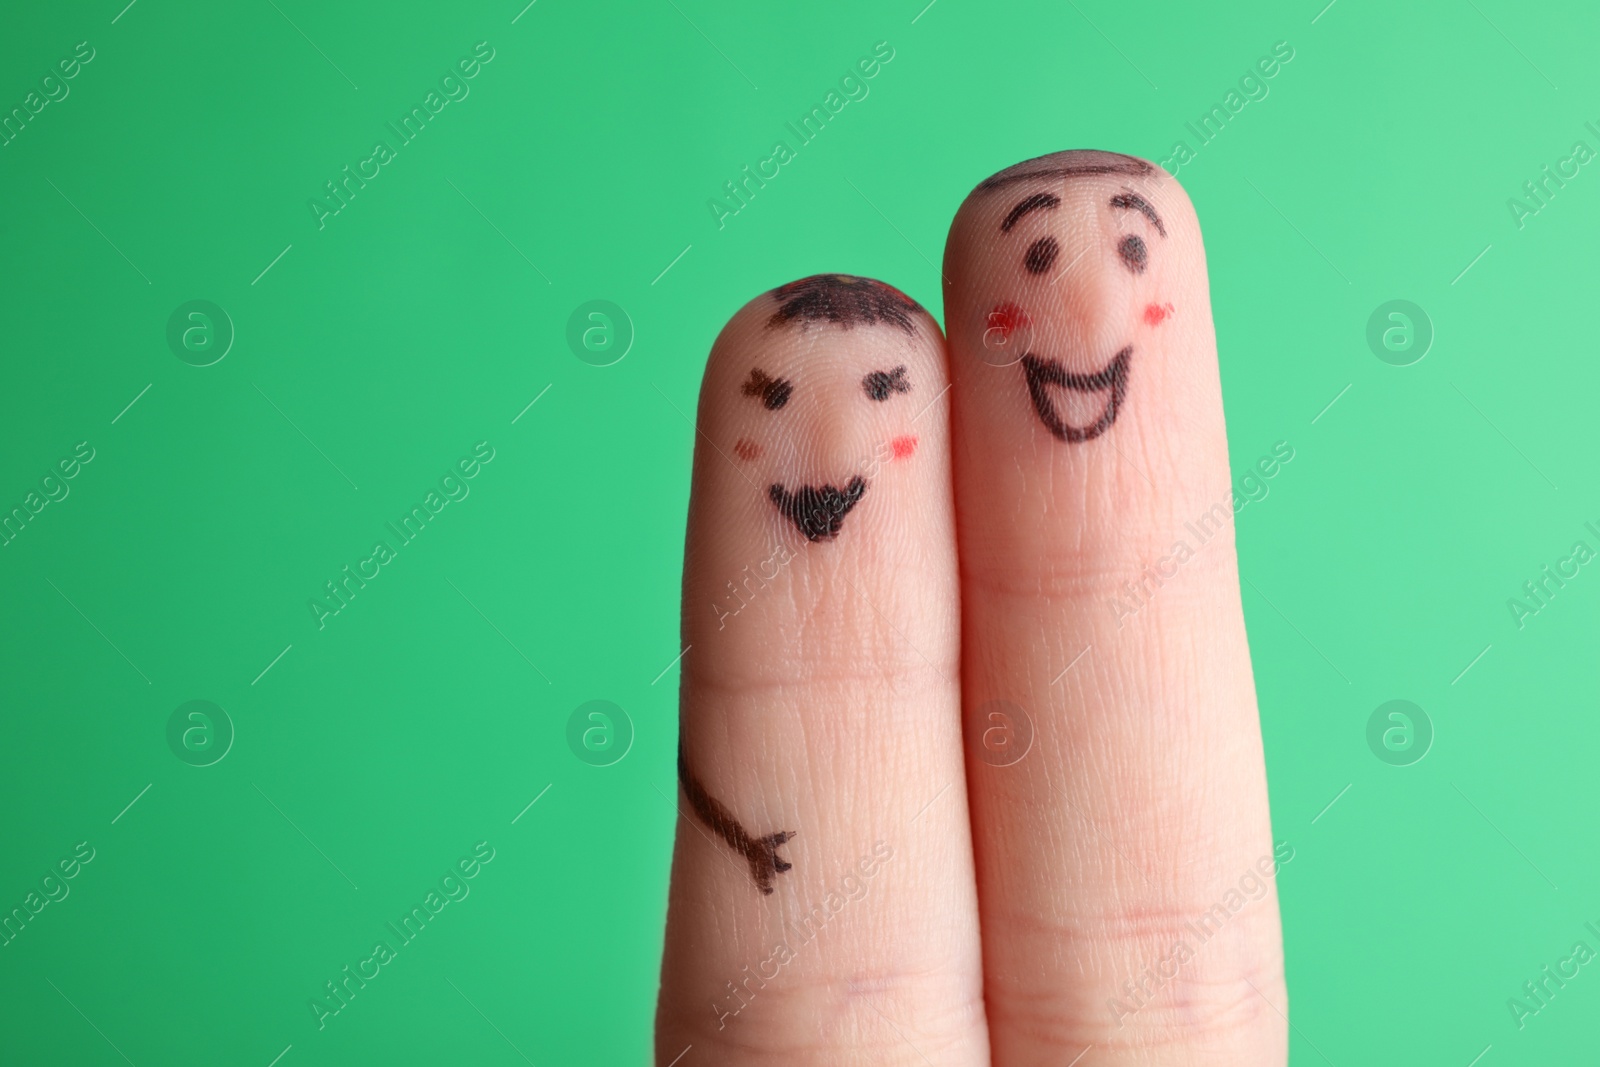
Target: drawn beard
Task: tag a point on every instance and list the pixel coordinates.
(818, 511)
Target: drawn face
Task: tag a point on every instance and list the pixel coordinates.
(864, 387)
(1082, 244)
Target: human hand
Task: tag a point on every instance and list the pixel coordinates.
(1025, 528)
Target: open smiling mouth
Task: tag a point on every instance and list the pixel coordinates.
(818, 511)
(1044, 373)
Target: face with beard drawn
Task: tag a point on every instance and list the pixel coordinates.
(810, 404)
(867, 399)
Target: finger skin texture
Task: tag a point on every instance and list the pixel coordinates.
(1125, 864)
(823, 905)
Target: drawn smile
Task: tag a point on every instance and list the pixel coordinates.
(1044, 373)
(818, 511)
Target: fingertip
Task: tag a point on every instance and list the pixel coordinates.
(816, 390)
(795, 317)
(1085, 269)
(1002, 201)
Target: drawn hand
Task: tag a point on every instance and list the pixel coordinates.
(967, 654)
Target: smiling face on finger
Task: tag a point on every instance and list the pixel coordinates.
(1081, 287)
(1019, 561)
(831, 398)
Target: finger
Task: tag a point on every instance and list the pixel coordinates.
(1124, 864)
(822, 907)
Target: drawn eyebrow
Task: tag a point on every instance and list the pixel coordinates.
(1134, 202)
(879, 384)
(774, 392)
(1031, 203)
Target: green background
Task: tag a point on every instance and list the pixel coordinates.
(425, 317)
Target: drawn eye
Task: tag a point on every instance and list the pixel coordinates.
(774, 392)
(1133, 252)
(1041, 255)
(879, 385)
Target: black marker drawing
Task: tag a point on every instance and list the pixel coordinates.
(1131, 201)
(1035, 202)
(1044, 373)
(1133, 252)
(843, 300)
(774, 392)
(760, 852)
(1073, 163)
(1041, 255)
(880, 384)
(818, 511)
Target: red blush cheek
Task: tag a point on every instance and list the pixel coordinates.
(903, 446)
(746, 449)
(1006, 318)
(1156, 314)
